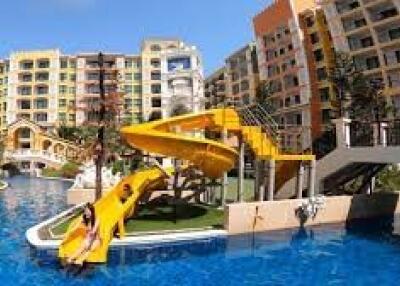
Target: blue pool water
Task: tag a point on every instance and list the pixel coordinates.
(363, 253)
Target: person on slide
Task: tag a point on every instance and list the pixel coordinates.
(92, 239)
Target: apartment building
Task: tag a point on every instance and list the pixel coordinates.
(236, 82)
(215, 88)
(51, 88)
(370, 31)
(172, 78)
(294, 55)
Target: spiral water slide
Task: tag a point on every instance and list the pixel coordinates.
(173, 137)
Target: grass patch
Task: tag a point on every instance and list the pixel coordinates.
(62, 228)
(163, 218)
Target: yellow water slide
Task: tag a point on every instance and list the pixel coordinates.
(173, 137)
(111, 211)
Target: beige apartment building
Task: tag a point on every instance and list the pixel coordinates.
(53, 89)
(236, 82)
(370, 31)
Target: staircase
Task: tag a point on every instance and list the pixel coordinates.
(259, 130)
(355, 157)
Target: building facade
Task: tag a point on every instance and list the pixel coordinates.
(369, 30)
(294, 55)
(236, 82)
(53, 89)
(172, 79)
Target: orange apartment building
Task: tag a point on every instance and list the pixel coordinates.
(295, 53)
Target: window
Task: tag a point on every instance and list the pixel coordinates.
(367, 42)
(63, 76)
(244, 85)
(155, 63)
(137, 88)
(42, 90)
(72, 64)
(318, 55)
(314, 38)
(287, 101)
(309, 22)
(128, 63)
(321, 74)
(128, 76)
(156, 88)
(155, 48)
(297, 99)
(25, 104)
(62, 103)
(72, 77)
(62, 116)
(41, 104)
(137, 76)
(326, 116)
(156, 102)
(71, 117)
(236, 89)
(62, 89)
(128, 89)
(299, 119)
(26, 65)
(25, 90)
(72, 90)
(155, 75)
(324, 94)
(372, 63)
(42, 76)
(41, 117)
(63, 64)
(43, 64)
(26, 77)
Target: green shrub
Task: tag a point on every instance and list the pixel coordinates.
(118, 167)
(69, 170)
(51, 172)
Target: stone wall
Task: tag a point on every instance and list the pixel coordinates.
(274, 215)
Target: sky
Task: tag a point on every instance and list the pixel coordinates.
(216, 27)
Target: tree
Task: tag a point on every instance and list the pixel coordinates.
(346, 80)
(369, 102)
(103, 119)
(264, 91)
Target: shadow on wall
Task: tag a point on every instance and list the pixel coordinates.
(378, 205)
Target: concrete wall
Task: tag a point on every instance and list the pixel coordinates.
(274, 215)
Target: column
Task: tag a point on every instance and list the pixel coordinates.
(240, 170)
(256, 179)
(342, 132)
(271, 180)
(261, 181)
(311, 180)
(383, 132)
(225, 176)
(300, 180)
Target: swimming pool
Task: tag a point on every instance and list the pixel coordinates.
(363, 253)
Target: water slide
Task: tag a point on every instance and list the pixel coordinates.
(170, 138)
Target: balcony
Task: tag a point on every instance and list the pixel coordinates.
(42, 77)
(389, 34)
(383, 12)
(346, 6)
(43, 64)
(26, 65)
(357, 43)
